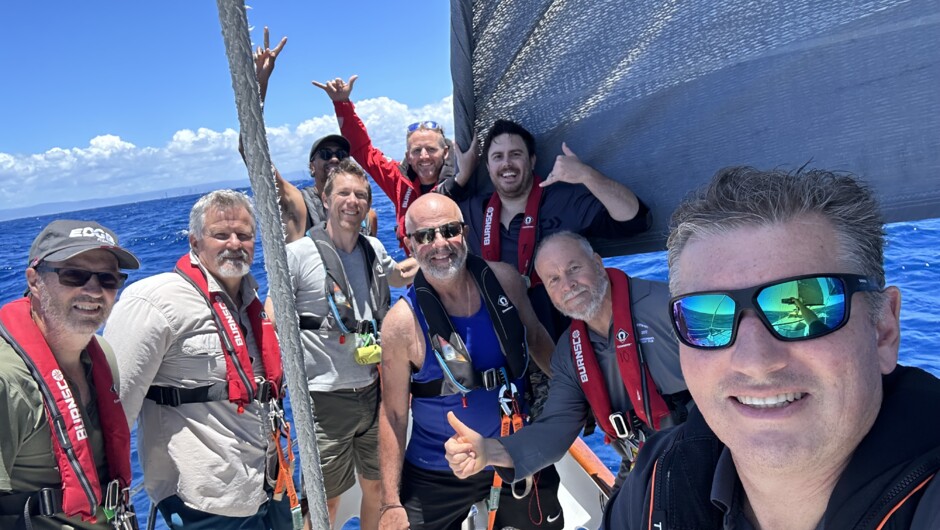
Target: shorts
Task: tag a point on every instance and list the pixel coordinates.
(438, 500)
(272, 515)
(347, 436)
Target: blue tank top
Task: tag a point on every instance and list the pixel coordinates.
(429, 429)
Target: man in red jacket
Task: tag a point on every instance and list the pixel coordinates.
(429, 161)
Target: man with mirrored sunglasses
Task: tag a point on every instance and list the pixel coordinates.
(431, 163)
(302, 208)
(54, 370)
(789, 344)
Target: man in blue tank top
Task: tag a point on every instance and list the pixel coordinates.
(471, 368)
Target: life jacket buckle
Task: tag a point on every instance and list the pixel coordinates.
(47, 502)
(265, 390)
(365, 327)
(621, 427)
(490, 379)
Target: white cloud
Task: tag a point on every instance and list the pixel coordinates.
(110, 166)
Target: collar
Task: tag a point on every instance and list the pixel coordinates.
(249, 285)
(727, 493)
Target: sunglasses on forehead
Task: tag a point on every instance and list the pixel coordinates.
(428, 124)
(447, 231)
(70, 277)
(792, 309)
(327, 154)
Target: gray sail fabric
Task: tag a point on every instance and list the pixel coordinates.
(660, 94)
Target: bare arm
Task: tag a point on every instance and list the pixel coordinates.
(539, 341)
(402, 347)
(466, 162)
(621, 203)
(293, 208)
(403, 273)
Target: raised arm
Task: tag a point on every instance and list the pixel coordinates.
(290, 200)
(402, 348)
(384, 171)
(403, 273)
(621, 203)
(539, 341)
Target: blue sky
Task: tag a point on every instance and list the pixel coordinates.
(124, 97)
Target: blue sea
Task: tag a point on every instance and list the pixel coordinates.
(156, 232)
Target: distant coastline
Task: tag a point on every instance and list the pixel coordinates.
(51, 208)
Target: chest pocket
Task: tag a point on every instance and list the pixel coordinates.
(201, 361)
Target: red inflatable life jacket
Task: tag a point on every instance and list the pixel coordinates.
(81, 486)
(648, 404)
(242, 388)
(528, 233)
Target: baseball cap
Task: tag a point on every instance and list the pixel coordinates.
(64, 239)
(335, 138)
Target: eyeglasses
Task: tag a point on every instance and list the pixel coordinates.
(792, 309)
(78, 277)
(428, 124)
(327, 155)
(447, 231)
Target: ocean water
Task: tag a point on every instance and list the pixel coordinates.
(156, 232)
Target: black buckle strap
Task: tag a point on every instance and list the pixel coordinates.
(45, 502)
(174, 397)
(171, 396)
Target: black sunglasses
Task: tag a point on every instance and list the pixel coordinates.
(78, 277)
(447, 231)
(792, 309)
(326, 154)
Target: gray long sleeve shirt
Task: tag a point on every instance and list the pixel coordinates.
(566, 410)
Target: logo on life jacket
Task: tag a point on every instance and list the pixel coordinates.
(622, 337)
(230, 322)
(528, 221)
(578, 355)
(487, 225)
(71, 405)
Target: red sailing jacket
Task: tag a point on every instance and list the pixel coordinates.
(387, 173)
(81, 486)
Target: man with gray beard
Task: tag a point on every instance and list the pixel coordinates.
(460, 339)
(54, 371)
(618, 359)
(200, 365)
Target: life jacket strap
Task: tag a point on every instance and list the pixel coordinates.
(489, 380)
(171, 396)
(314, 323)
(45, 502)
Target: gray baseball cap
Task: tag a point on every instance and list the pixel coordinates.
(64, 239)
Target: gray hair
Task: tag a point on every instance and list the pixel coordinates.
(569, 235)
(739, 197)
(221, 200)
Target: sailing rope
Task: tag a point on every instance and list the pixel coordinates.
(234, 22)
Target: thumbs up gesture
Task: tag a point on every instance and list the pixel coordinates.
(465, 451)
